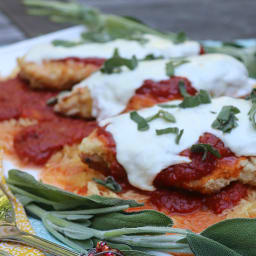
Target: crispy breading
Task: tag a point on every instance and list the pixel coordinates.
(55, 75)
(77, 104)
(96, 154)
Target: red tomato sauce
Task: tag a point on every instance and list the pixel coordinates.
(35, 144)
(182, 202)
(18, 101)
(94, 61)
(177, 201)
(197, 168)
(166, 89)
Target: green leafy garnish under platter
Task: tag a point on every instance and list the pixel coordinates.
(80, 222)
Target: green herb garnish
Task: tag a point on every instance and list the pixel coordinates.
(182, 89)
(109, 183)
(172, 64)
(65, 43)
(153, 57)
(89, 219)
(114, 64)
(205, 149)
(202, 97)
(226, 119)
(168, 106)
(174, 130)
(181, 37)
(162, 114)
(142, 123)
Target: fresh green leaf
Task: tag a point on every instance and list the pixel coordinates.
(174, 130)
(193, 101)
(114, 64)
(172, 64)
(226, 119)
(202, 246)
(232, 44)
(168, 106)
(182, 89)
(181, 37)
(205, 149)
(237, 234)
(177, 140)
(252, 112)
(153, 57)
(109, 183)
(141, 122)
(25, 184)
(135, 253)
(162, 114)
(131, 220)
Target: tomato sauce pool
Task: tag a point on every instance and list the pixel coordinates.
(35, 144)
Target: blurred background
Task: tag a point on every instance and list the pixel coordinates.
(200, 19)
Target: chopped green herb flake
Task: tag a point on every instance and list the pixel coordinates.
(153, 57)
(182, 89)
(174, 130)
(109, 183)
(162, 114)
(205, 149)
(226, 119)
(168, 106)
(193, 101)
(114, 64)
(181, 37)
(252, 112)
(172, 64)
(141, 122)
(177, 140)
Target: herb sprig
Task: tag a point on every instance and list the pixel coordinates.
(226, 120)
(109, 183)
(114, 64)
(205, 149)
(252, 112)
(87, 220)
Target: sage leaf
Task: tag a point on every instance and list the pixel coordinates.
(205, 149)
(202, 246)
(237, 234)
(114, 64)
(182, 89)
(131, 220)
(25, 184)
(193, 101)
(65, 43)
(181, 37)
(226, 120)
(109, 183)
(142, 124)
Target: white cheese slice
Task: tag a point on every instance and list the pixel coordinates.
(219, 74)
(127, 48)
(143, 154)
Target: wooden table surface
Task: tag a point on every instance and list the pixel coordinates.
(200, 19)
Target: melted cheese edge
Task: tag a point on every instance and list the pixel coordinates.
(143, 154)
(127, 48)
(217, 73)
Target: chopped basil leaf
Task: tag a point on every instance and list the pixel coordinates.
(177, 140)
(252, 112)
(114, 64)
(181, 37)
(213, 112)
(169, 69)
(182, 89)
(174, 130)
(153, 57)
(193, 101)
(162, 114)
(205, 149)
(226, 119)
(232, 44)
(65, 43)
(168, 106)
(141, 122)
(109, 183)
(172, 64)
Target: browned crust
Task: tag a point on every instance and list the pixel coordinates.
(79, 103)
(55, 75)
(96, 154)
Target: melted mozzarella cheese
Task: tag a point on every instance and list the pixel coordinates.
(143, 154)
(217, 73)
(127, 48)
